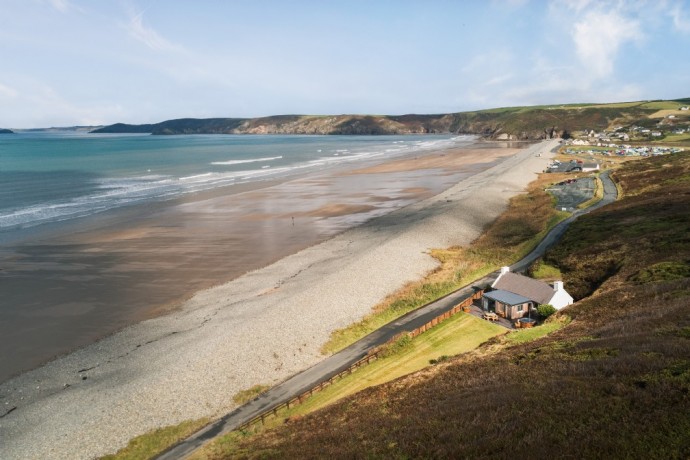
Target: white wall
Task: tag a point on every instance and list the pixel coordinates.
(561, 299)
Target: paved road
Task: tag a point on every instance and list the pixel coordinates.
(338, 362)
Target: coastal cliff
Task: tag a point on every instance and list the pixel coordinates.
(6, 131)
(513, 123)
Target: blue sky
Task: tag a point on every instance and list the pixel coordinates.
(67, 62)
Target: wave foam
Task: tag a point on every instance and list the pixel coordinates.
(239, 162)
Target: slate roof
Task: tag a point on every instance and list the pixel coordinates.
(505, 297)
(535, 290)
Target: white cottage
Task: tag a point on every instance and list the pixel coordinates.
(529, 289)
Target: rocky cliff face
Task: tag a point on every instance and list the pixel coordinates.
(519, 123)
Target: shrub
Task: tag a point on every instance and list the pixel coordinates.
(546, 310)
(439, 360)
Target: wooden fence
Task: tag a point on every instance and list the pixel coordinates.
(362, 362)
(444, 316)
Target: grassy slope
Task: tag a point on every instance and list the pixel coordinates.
(459, 334)
(615, 382)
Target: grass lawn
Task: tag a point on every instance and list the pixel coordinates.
(662, 105)
(542, 271)
(459, 334)
(534, 333)
(676, 138)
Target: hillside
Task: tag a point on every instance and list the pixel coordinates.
(6, 131)
(613, 383)
(510, 123)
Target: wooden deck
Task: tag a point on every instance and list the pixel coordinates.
(477, 311)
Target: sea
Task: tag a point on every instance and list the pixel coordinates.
(49, 177)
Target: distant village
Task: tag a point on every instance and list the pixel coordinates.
(613, 142)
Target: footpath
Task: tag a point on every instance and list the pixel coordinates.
(343, 360)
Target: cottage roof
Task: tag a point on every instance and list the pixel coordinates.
(535, 290)
(506, 297)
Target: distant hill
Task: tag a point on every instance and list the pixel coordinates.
(60, 129)
(613, 383)
(6, 131)
(538, 122)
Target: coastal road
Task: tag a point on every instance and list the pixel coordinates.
(340, 361)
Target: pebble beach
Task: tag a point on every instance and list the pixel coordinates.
(259, 328)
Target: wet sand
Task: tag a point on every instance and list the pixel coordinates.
(257, 329)
(75, 286)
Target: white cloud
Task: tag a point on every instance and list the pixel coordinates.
(577, 5)
(498, 79)
(147, 35)
(7, 92)
(511, 4)
(598, 37)
(681, 21)
(32, 103)
(60, 5)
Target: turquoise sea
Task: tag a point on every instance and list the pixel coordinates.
(57, 176)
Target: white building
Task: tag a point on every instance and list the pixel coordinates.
(537, 291)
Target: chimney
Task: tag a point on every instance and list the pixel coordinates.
(558, 285)
(503, 271)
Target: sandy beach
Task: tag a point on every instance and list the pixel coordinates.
(73, 286)
(264, 325)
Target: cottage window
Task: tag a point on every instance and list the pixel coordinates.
(521, 307)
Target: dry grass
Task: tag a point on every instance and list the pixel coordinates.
(613, 383)
(244, 396)
(155, 442)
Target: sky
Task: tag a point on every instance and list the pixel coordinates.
(92, 62)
